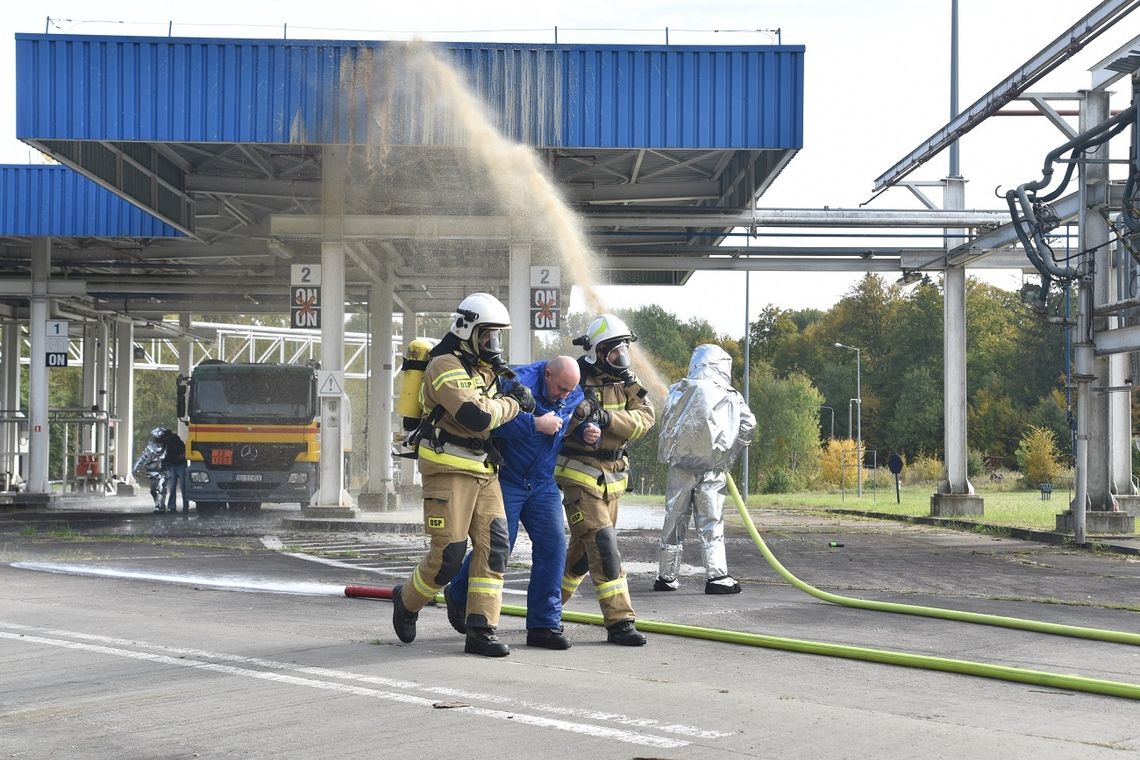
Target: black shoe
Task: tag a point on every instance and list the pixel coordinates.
(456, 616)
(547, 638)
(663, 585)
(403, 621)
(625, 634)
(722, 585)
(484, 641)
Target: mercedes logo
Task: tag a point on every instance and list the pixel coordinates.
(248, 453)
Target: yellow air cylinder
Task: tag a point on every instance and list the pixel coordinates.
(411, 376)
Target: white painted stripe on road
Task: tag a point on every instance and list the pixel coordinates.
(579, 713)
(599, 732)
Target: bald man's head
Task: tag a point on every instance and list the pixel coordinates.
(561, 376)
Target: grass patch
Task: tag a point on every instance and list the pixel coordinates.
(1002, 508)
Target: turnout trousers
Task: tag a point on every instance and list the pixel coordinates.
(593, 548)
(457, 506)
(538, 506)
(699, 496)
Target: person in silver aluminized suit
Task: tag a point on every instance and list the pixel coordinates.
(704, 427)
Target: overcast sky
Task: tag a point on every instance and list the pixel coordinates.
(876, 85)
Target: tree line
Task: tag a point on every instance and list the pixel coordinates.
(801, 383)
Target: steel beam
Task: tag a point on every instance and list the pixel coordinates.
(1050, 57)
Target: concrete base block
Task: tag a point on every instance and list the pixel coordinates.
(1097, 522)
(126, 489)
(956, 505)
(376, 501)
(1129, 505)
(336, 513)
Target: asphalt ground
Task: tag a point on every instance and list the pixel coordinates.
(128, 634)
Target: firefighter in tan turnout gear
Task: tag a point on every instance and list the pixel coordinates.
(461, 406)
(593, 470)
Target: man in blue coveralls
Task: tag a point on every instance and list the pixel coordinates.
(529, 444)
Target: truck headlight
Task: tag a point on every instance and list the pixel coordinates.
(199, 477)
(296, 478)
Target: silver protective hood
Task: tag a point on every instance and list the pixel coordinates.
(701, 425)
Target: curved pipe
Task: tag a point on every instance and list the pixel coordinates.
(1037, 626)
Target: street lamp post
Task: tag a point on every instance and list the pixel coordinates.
(830, 409)
(858, 418)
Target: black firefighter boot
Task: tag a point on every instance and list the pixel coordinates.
(403, 621)
(625, 633)
(484, 641)
(456, 615)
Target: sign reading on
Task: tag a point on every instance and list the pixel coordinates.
(305, 299)
(544, 308)
(545, 282)
(55, 346)
(305, 307)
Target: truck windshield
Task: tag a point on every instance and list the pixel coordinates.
(240, 393)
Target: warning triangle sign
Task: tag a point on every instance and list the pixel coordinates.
(330, 385)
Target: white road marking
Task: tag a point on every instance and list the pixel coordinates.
(179, 655)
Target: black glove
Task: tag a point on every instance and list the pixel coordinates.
(522, 394)
(590, 410)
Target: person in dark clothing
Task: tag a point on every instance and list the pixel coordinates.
(174, 465)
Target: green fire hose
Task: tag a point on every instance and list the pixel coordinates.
(1038, 626)
(888, 657)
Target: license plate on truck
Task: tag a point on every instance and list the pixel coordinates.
(248, 477)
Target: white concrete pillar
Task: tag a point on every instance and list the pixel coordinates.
(102, 395)
(10, 360)
(380, 392)
(956, 493)
(124, 409)
(1110, 429)
(38, 439)
(13, 346)
(333, 176)
(518, 304)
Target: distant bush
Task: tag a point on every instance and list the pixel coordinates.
(924, 469)
(837, 463)
(1037, 456)
(779, 480)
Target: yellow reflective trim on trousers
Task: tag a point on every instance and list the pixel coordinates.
(578, 477)
(452, 460)
(448, 376)
(570, 584)
(611, 588)
(493, 586)
(422, 587)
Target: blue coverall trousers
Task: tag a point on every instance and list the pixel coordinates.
(538, 506)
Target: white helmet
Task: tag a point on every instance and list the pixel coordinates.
(479, 318)
(605, 333)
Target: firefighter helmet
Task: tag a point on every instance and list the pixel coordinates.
(606, 344)
(480, 319)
